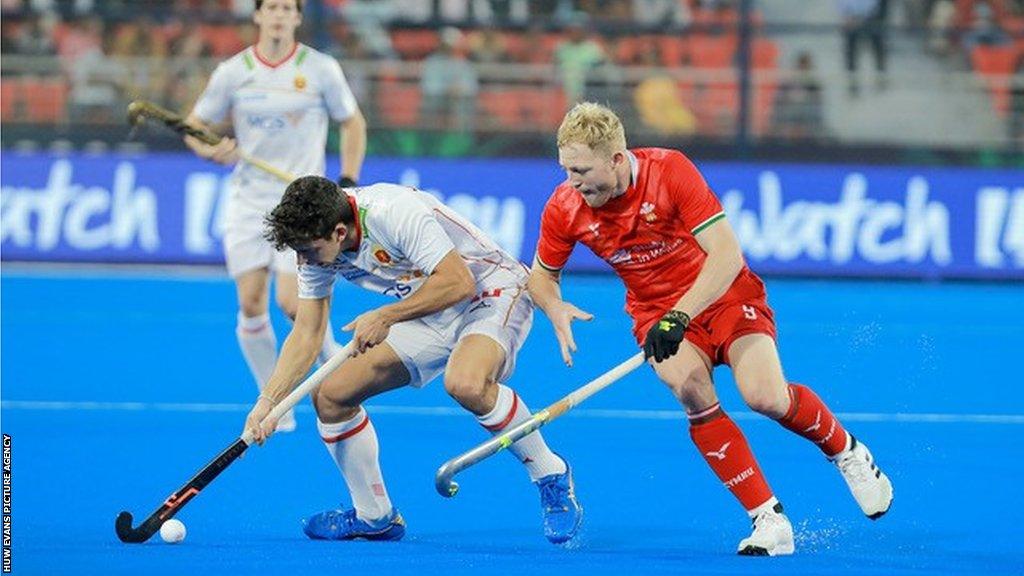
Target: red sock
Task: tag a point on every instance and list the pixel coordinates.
(725, 449)
(809, 417)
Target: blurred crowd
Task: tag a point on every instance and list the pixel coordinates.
(638, 54)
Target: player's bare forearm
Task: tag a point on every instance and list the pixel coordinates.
(450, 283)
(353, 145)
(544, 287)
(300, 348)
(724, 262)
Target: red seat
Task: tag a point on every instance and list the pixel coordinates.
(399, 103)
(712, 51)
(414, 44)
(224, 40)
(501, 108)
(45, 99)
(995, 64)
(8, 99)
(764, 53)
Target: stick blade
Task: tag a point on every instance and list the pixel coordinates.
(127, 534)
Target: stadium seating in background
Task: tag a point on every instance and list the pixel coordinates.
(995, 64)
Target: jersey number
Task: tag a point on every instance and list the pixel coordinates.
(749, 313)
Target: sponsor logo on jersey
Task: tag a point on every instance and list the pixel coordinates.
(644, 253)
(265, 122)
(647, 211)
(300, 82)
(593, 229)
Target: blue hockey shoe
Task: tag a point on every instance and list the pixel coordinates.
(562, 513)
(345, 525)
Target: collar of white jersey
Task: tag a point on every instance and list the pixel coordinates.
(291, 54)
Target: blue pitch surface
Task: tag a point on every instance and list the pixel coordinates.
(117, 388)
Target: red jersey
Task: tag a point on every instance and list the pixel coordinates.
(647, 234)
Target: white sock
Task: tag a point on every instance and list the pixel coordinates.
(330, 347)
(353, 445)
(532, 451)
(259, 346)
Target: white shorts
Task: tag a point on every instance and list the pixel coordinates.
(245, 248)
(505, 315)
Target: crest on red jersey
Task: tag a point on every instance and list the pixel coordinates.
(647, 211)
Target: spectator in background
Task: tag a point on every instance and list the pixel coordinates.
(658, 99)
(94, 78)
(369, 19)
(577, 57)
(659, 14)
(487, 47)
(941, 18)
(799, 113)
(449, 85)
(864, 21)
(36, 36)
(188, 69)
(984, 30)
(138, 50)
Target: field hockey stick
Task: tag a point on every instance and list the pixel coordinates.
(175, 502)
(140, 110)
(443, 480)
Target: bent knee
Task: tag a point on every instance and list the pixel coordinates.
(332, 409)
(467, 388)
(690, 387)
(764, 398)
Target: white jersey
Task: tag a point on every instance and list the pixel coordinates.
(403, 235)
(280, 113)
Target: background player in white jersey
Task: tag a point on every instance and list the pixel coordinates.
(280, 96)
(462, 310)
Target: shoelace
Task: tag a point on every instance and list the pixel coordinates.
(765, 520)
(853, 466)
(552, 495)
(344, 517)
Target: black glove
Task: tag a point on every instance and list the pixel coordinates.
(346, 182)
(664, 337)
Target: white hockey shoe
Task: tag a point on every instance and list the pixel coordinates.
(772, 536)
(870, 487)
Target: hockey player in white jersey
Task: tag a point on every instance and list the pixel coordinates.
(462, 309)
(280, 97)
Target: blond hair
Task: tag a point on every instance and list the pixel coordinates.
(594, 126)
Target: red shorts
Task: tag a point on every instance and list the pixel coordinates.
(716, 328)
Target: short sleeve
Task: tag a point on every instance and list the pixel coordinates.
(697, 204)
(315, 282)
(554, 245)
(215, 101)
(337, 95)
(410, 229)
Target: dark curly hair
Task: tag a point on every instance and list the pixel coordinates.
(309, 210)
(298, 5)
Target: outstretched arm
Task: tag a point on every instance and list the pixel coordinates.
(547, 295)
(297, 355)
